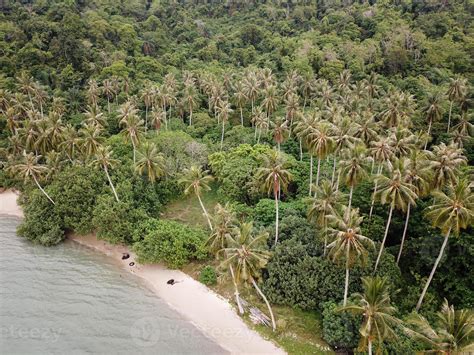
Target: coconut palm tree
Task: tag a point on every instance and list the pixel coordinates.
(108, 89)
(453, 211)
(444, 163)
(240, 99)
(417, 174)
(150, 161)
(30, 168)
(224, 110)
(456, 90)
(348, 246)
(251, 85)
(291, 108)
(396, 192)
(260, 122)
(132, 130)
(378, 313)
(327, 203)
(453, 331)
(270, 100)
(93, 92)
(90, 139)
(147, 96)
(93, 116)
(305, 126)
(195, 180)
(321, 143)
(280, 130)
(433, 110)
(190, 98)
(274, 177)
(246, 252)
(103, 159)
(354, 168)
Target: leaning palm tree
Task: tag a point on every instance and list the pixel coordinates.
(195, 180)
(453, 331)
(396, 192)
(327, 203)
(246, 252)
(348, 246)
(354, 168)
(452, 212)
(456, 90)
(150, 161)
(274, 177)
(132, 130)
(375, 307)
(103, 159)
(30, 168)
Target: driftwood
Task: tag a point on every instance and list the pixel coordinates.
(256, 315)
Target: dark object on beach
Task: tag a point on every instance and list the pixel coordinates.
(131, 264)
(171, 282)
(125, 256)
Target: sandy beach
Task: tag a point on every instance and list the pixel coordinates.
(208, 311)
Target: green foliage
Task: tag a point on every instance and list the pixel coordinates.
(41, 223)
(115, 221)
(264, 211)
(340, 329)
(208, 276)
(171, 242)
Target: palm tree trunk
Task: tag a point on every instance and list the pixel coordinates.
(346, 284)
(190, 116)
(333, 170)
(236, 293)
(276, 218)
(222, 133)
(370, 346)
(111, 184)
(438, 259)
(429, 131)
(108, 104)
(337, 181)
(325, 236)
(384, 237)
(350, 199)
(205, 212)
(301, 150)
(42, 190)
(266, 302)
(134, 151)
(310, 172)
(379, 171)
(449, 117)
(146, 117)
(241, 117)
(404, 233)
(317, 175)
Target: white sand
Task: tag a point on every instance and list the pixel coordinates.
(8, 204)
(208, 311)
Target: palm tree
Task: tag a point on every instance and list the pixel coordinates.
(93, 92)
(270, 100)
(103, 159)
(418, 175)
(251, 85)
(109, 91)
(280, 130)
(240, 99)
(30, 168)
(321, 143)
(453, 332)
(354, 168)
(327, 203)
(132, 130)
(349, 246)
(433, 110)
(195, 180)
(452, 212)
(189, 98)
(148, 96)
(398, 193)
(444, 163)
(150, 161)
(260, 121)
(224, 111)
(274, 177)
(456, 90)
(90, 139)
(375, 307)
(247, 254)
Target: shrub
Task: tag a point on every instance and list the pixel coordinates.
(116, 221)
(264, 211)
(208, 276)
(340, 329)
(42, 223)
(170, 242)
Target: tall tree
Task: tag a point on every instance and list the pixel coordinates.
(195, 180)
(103, 159)
(456, 90)
(348, 246)
(150, 161)
(452, 212)
(274, 177)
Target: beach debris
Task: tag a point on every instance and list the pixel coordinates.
(258, 317)
(125, 256)
(131, 264)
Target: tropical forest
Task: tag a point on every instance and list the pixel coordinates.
(310, 162)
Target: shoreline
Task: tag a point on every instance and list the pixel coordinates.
(206, 310)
